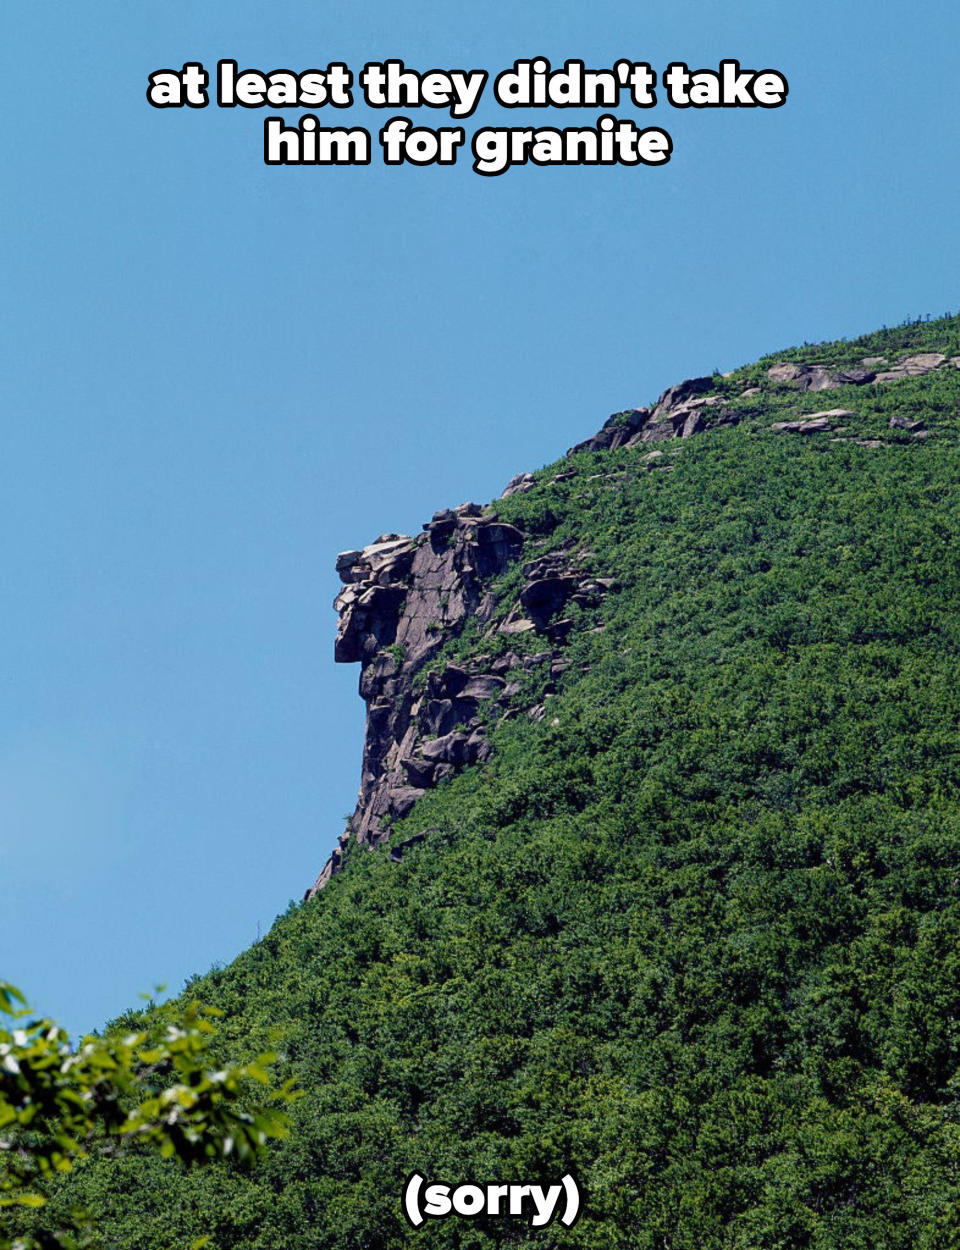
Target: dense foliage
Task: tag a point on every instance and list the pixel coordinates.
(143, 1089)
(890, 343)
(694, 935)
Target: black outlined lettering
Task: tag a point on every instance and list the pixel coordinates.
(538, 1204)
(642, 81)
(532, 83)
(311, 144)
(283, 88)
(403, 144)
(730, 87)
(613, 141)
(389, 84)
(172, 89)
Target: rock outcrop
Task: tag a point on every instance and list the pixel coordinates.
(813, 422)
(687, 409)
(874, 369)
(817, 377)
(681, 411)
(404, 597)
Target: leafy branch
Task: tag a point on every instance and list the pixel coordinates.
(154, 1088)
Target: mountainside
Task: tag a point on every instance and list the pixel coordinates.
(663, 748)
(405, 597)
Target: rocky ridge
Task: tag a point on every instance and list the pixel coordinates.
(405, 596)
(686, 409)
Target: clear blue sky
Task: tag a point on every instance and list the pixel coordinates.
(218, 374)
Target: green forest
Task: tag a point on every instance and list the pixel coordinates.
(693, 935)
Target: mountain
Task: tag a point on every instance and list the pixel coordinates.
(654, 877)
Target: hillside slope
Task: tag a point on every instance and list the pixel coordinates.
(685, 918)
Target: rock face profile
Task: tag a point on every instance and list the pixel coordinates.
(404, 597)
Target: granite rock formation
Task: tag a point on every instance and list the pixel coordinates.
(681, 411)
(404, 597)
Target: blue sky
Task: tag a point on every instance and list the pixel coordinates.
(217, 375)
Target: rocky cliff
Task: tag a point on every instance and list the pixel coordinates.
(404, 597)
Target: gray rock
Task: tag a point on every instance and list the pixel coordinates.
(616, 431)
(548, 594)
(676, 396)
(912, 367)
(518, 625)
(402, 799)
(892, 375)
(518, 484)
(855, 377)
(532, 661)
(451, 748)
(656, 433)
(559, 631)
(922, 362)
(505, 663)
(693, 424)
(449, 683)
(483, 686)
(816, 377)
(784, 372)
(438, 716)
(345, 562)
(813, 423)
(419, 773)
